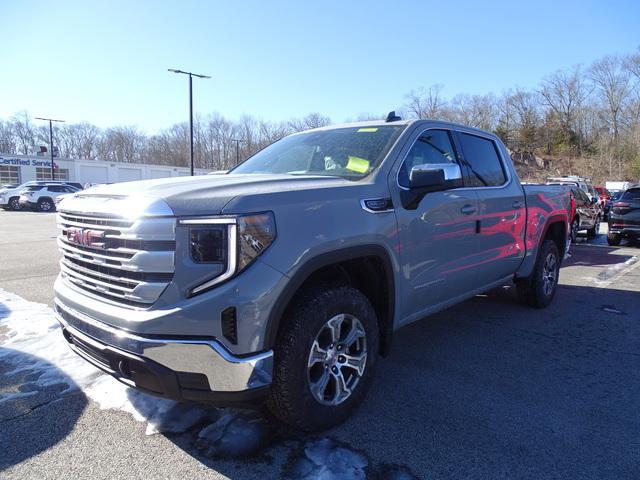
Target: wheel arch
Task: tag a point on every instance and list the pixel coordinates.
(358, 266)
(556, 228)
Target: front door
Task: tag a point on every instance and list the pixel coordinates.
(437, 238)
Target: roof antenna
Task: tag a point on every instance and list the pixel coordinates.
(392, 117)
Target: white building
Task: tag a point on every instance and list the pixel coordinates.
(16, 169)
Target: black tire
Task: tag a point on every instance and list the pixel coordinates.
(45, 205)
(291, 399)
(574, 229)
(593, 231)
(532, 291)
(14, 203)
(614, 239)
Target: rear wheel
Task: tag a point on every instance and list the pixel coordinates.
(540, 287)
(44, 205)
(324, 358)
(614, 239)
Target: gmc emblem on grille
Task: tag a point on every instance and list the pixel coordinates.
(85, 237)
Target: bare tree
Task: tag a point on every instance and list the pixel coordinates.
(565, 93)
(475, 110)
(427, 102)
(613, 84)
(7, 139)
(122, 144)
(526, 117)
(24, 132)
(80, 139)
(313, 120)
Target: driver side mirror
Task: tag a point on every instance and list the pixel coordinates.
(437, 176)
(430, 178)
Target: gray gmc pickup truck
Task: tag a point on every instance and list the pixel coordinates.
(282, 282)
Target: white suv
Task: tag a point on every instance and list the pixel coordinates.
(42, 197)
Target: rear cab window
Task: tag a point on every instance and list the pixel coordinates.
(484, 167)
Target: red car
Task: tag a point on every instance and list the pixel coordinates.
(605, 201)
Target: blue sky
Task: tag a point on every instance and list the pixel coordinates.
(105, 62)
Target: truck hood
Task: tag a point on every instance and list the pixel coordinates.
(201, 195)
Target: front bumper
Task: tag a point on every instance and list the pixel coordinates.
(198, 370)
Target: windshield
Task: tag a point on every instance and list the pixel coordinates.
(350, 153)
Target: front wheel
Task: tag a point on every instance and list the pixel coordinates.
(324, 359)
(614, 239)
(574, 230)
(540, 287)
(44, 205)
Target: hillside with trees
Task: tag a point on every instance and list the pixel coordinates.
(583, 120)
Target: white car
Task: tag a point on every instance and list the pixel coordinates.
(42, 197)
(10, 195)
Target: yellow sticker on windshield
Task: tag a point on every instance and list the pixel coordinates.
(368, 129)
(357, 164)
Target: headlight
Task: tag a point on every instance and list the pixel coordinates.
(233, 243)
(255, 234)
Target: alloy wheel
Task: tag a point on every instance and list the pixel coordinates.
(337, 360)
(549, 274)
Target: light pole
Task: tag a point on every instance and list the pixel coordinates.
(191, 75)
(237, 140)
(50, 120)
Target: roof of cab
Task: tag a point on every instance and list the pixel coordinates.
(381, 123)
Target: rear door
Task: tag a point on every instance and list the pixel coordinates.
(501, 207)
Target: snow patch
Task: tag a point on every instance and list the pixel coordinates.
(31, 328)
(234, 434)
(324, 459)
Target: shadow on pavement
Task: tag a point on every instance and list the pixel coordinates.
(492, 389)
(32, 418)
(598, 256)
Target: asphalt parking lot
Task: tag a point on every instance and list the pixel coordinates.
(487, 389)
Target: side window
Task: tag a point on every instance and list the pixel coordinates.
(54, 188)
(431, 147)
(482, 160)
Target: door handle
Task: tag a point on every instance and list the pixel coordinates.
(517, 204)
(468, 210)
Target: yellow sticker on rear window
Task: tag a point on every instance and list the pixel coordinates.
(357, 164)
(368, 129)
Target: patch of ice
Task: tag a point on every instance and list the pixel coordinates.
(324, 459)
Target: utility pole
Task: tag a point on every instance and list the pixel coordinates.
(237, 140)
(191, 75)
(50, 120)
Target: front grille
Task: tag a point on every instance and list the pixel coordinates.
(128, 262)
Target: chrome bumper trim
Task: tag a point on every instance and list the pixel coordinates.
(224, 371)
